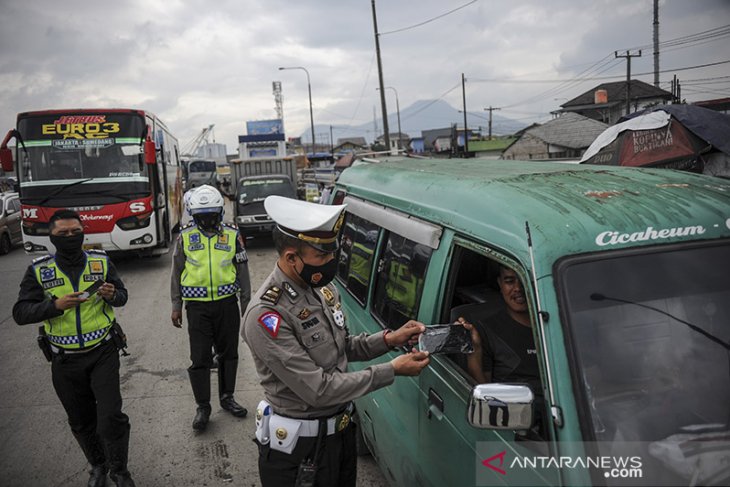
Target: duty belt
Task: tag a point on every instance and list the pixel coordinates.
(335, 424)
(60, 350)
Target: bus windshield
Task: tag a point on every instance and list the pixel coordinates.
(104, 149)
(651, 337)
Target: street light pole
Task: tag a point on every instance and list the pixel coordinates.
(311, 112)
(397, 109)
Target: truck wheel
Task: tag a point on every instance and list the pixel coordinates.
(5, 244)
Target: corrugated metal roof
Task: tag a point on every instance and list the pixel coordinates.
(569, 130)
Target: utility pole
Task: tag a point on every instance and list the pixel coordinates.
(466, 129)
(490, 110)
(656, 43)
(332, 143)
(383, 107)
(628, 57)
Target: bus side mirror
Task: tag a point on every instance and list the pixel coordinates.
(6, 159)
(150, 152)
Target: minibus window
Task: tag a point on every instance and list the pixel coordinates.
(399, 282)
(357, 247)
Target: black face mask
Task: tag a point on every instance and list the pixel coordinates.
(318, 275)
(208, 221)
(68, 244)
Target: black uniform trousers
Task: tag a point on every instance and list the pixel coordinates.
(336, 465)
(213, 323)
(88, 386)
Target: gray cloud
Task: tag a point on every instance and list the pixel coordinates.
(197, 62)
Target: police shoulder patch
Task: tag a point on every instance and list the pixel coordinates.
(271, 321)
(231, 226)
(187, 227)
(272, 295)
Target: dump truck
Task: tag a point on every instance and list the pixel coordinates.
(254, 180)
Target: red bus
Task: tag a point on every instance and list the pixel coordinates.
(119, 169)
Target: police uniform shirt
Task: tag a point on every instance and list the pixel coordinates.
(178, 266)
(301, 347)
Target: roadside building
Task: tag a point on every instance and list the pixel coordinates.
(565, 137)
(350, 144)
(607, 102)
(490, 149)
(397, 139)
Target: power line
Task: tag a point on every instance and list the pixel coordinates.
(595, 78)
(429, 20)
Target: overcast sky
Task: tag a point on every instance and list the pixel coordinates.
(196, 63)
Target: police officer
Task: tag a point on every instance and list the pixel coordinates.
(209, 267)
(297, 333)
(79, 334)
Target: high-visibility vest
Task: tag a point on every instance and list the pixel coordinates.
(86, 324)
(210, 270)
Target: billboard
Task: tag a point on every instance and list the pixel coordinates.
(265, 127)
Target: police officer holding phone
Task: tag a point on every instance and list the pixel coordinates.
(298, 336)
(81, 338)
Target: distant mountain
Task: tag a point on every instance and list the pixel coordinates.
(422, 115)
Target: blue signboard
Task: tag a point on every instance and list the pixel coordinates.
(264, 127)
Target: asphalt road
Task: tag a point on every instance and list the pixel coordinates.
(36, 445)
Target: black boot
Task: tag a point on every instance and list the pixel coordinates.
(122, 479)
(94, 453)
(230, 405)
(202, 416)
(117, 452)
(227, 385)
(200, 382)
(97, 476)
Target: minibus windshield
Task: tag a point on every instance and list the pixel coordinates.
(651, 335)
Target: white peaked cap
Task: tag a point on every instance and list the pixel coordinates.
(311, 222)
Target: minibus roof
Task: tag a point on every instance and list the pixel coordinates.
(571, 209)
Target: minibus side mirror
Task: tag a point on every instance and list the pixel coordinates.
(150, 151)
(501, 407)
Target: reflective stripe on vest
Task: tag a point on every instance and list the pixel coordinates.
(86, 324)
(210, 271)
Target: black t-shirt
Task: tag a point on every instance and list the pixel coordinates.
(509, 351)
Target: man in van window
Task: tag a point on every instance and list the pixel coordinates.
(504, 349)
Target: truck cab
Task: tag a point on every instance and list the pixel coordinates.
(251, 191)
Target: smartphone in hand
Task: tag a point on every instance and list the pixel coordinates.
(446, 339)
(89, 291)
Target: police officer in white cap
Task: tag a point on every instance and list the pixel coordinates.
(210, 267)
(300, 343)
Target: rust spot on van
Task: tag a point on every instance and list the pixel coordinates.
(603, 194)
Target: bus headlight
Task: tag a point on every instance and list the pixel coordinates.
(134, 222)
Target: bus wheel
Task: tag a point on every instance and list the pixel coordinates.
(5, 244)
